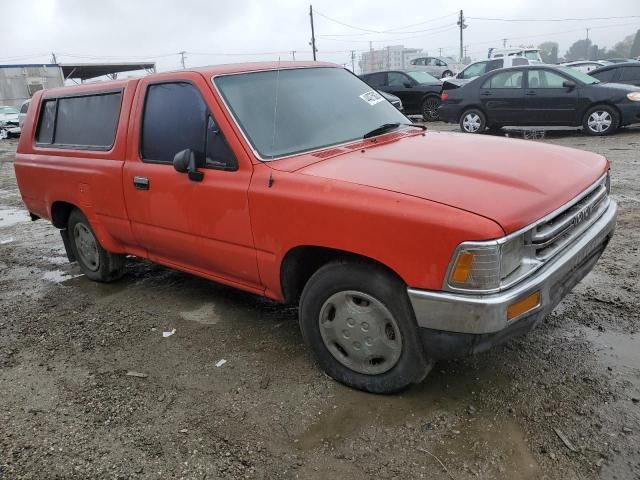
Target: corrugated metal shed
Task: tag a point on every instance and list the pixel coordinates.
(19, 82)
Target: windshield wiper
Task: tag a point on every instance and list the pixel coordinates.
(387, 127)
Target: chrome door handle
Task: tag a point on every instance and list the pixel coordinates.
(141, 183)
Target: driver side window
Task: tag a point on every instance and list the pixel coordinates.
(175, 118)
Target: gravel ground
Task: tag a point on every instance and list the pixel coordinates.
(561, 403)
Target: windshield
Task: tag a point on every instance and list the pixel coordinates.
(7, 110)
(311, 109)
(533, 55)
(423, 77)
(578, 75)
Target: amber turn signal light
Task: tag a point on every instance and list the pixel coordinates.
(523, 306)
(463, 266)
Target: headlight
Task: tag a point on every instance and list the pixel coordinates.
(634, 96)
(489, 266)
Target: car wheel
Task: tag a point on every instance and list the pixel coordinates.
(430, 108)
(95, 262)
(358, 321)
(473, 121)
(3, 134)
(447, 73)
(600, 120)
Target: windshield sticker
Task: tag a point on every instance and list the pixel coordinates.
(371, 97)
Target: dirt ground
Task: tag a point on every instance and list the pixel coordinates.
(560, 403)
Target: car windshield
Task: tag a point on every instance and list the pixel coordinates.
(7, 110)
(296, 110)
(533, 55)
(423, 77)
(578, 75)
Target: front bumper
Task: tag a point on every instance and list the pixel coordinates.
(629, 113)
(477, 322)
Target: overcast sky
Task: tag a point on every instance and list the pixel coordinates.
(223, 31)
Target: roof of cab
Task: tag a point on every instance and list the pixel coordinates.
(210, 71)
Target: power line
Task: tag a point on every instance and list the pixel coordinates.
(550, 19)
(445, 28)
(393, 31)
(387, 31)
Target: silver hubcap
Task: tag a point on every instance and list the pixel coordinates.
(471, 122)
(599, 121)
(87, 246)
(360, 332)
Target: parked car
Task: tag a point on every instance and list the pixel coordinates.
(538, 95)
(23, 112)
(439, 67)
(585, 66)
(400, 246)
(9, 121)
(619, 60)
(628, 73)
(392, 99)
(531, 54)
(419, 91)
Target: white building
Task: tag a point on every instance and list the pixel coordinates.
(19, 82)
(392, 57)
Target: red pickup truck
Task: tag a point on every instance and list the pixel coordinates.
(298, 182)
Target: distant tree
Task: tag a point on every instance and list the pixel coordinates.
(549, 52)
(621, 49)
(580, 50)
(635, 47)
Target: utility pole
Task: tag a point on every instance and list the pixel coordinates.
(504, 42)
(465, 51)
(370, 56)
(440, 52)
(182, 58)
(293, 55)
(462, 26)
(587, 45)
(353, 61)
(313, 35)
(53, 58)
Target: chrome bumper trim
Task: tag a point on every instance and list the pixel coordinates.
(479, 314)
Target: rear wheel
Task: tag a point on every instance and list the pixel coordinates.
(447, 73)
(358, 321)
(96, 263)
(473, 121)
(430, 108)
(600, 120)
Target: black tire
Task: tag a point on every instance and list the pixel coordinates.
(479, 121)
(105, 267)
(429, 108)
(609, 121)
(447, 73)
(343, 278)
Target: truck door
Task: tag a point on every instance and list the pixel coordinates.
(200, 226)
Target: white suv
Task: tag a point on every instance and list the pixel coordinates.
(476, 69)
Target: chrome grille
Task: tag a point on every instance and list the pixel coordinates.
(553, 234)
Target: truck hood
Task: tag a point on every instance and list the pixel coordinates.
(510, 181)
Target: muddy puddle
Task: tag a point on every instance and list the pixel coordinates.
(12, 216)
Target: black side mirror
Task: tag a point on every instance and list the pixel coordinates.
(185, 162)
(569, 84)
(408, 84)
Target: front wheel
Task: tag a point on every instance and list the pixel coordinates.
(600, 120)
(95, 262)
(430, 109)
(473, 121)
(358, 321)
